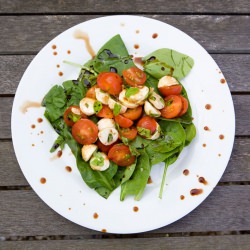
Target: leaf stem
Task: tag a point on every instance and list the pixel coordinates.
(163, 179)
(73, 64)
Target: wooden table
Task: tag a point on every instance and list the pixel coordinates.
(222, 221)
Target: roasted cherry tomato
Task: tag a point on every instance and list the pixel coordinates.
(133, 114)
(105, 112)
(173, 106)
(148, 122)
(184, 105)
(129, 133)
(85, 131)
(170, 90)
(91, 92)
(134, 76)
(123, 121)
(72, 114)
(110, 82)
(121, 155)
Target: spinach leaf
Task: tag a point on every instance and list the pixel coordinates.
(190, 131)
(59, 142)
(167, 62)
(138, 181)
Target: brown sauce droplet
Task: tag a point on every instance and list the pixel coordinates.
(202, 180)
(54, 53)
(138, 60)
(95, 215)
(68, 169)
(135, 209)
(221, 137)
(43, 180)
(40, 120)
(41, 132)
(222, 80)
(182, 197)
(53, 46)
(60, 73)
(196, 191)
(150, 180)
(219, 155)
(186, 172)
(84, 36)
(69, 52)
(33, 145)
(104, 230)
(204, 145)
(33, 126)
(137, 31)
(208, 106)
(58, 65)
(136, 46)
(59, 153)
(206, 128)
(28, 104)
(155, 35)
(69, 208)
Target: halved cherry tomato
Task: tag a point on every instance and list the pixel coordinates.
(121, 155)
(134, 76)
(173, 106)
(133, 114)
(129, 133)
(91, 92)
(123, 121)
(105, 148)
(85, 131)
(184, 105)
(170, 90)
(105, 112)
(72, 114)
(148, 122)
(110, 82)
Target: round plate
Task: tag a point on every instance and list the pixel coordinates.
(65, 191)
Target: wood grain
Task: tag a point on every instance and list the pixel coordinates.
(235, 242)
(28, 34)
(234, 67)
(238, 169)
(24, 213)
(141, 6)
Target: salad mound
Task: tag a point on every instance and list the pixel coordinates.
(120, 120)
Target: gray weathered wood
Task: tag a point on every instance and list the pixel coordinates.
(235, 242)
(21, 34)
(241, 104)
(234, 67)
(90, 6)
(23, 213)
(238, 168)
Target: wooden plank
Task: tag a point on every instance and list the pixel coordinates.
(234, 67)
(21, 34)
(211, 215)
(241, 104)
(238, 168)
(93, 6)
(236, 242)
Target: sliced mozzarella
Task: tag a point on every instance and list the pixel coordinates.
(99, 161)
(102, 96)
(87, 106)
(156, 134)
(105, 123)
(167, 81)
(156, 100)
(140, 96)
(151, 110)
(112, 103)
(88, 151)
(108, 136)
(124, 100)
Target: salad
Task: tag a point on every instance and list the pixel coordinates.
(119, 119)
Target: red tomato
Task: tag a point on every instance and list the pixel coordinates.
(184, 105)
(123, 121)
(91, 92)
(134, 76)
(129, 133)
(105, 112)
(104, 148)
(173, 106)
(121, 155)
(85, 131)
(148, 122)
(72, 114)
(133, 114)
(170, 90)
(110, 82)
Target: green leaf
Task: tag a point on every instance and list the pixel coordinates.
(190, 131)
(117, 109)
(144, 132)
(59, 142)
(131, 91)
(97, 106)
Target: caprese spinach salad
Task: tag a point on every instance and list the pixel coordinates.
(120, 119)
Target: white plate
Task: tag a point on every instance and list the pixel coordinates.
(65, 192)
